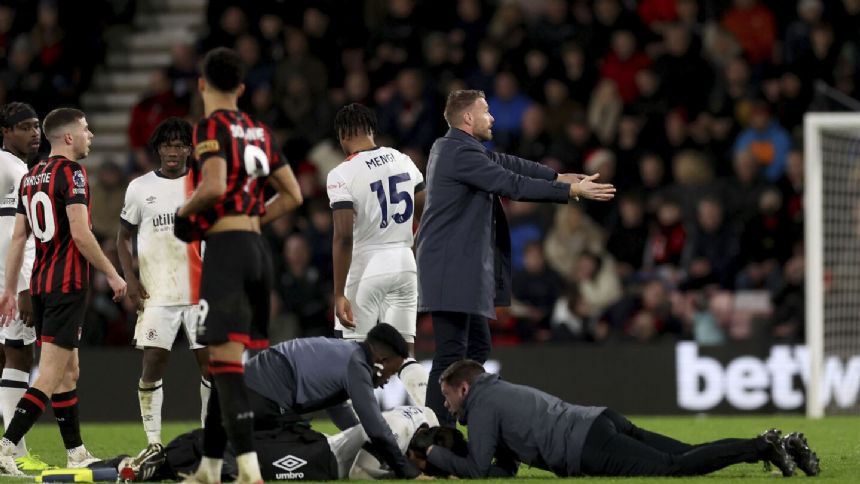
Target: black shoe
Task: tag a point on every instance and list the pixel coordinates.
(777, 454)
(807, 460)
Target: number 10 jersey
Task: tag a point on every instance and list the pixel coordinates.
(45, 192)
(379, 185)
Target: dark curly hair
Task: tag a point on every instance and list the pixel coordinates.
(171, 129)
(10, 111)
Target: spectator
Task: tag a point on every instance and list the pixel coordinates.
(712, 249)
(597, 278)
(766, 141)
(302, 291)
(489, 58)
(107, 199)
(641, 318)
(559, 106)
(526, 224)
(788, 321)
(684, 74)
(572, 234)
(652, 172)
(741, 192)
(766, 243)
(158, 104)
(791, 186)
(573, 146)
(409, 117)
(622, 63)
(798, 32)
(628, 234)
(579, 75)
(508, 106)
(534, 141)
(601, 162)
(183, 72)
(258, 69)
(604, 111)
(753, 24)
(570, 320)
(536, 287)
(819, 62)
(667, 240)
(231, 24)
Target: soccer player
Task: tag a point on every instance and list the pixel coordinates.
(54, 205)
(167, 291)
(234, 158)
(374, 194)
(22, 136)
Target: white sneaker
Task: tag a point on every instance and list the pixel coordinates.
(7, 459)
(80, 457)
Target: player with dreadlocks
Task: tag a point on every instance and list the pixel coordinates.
(375, 195)
(22, 136)
(167, 292)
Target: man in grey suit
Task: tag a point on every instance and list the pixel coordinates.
(511, 424)
(463, 246)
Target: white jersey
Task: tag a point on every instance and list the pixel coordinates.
(357, 463)
(169, 268)
(379, 185)
(12, 169)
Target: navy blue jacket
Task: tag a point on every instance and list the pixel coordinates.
(464, 245)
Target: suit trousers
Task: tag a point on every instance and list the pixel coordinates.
(458, 336)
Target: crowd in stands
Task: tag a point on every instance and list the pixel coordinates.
(693, 109)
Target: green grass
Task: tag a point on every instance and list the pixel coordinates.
(836, 439)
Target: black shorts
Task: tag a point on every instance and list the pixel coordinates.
(235, 287)
(59, 318)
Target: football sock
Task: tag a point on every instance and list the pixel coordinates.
(12, 387)
(29, 409)
(229, 378)
(214, 435)
(414, 377)
(249, 467)
(151, 396)
(210, 469)
(205, 392)
(65, 407)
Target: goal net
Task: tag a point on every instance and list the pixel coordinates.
(832, 250)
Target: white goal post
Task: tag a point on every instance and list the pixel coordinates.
(832, 251)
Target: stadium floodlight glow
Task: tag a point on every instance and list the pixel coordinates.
(832, 247)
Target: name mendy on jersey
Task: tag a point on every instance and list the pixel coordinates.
(249, 134)
(379, 160)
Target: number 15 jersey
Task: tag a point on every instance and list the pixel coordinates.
(45, 192)
(250, 152)
(379, 185)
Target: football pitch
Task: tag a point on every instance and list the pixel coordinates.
(836, 439)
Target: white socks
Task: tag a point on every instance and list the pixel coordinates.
(414, 377)
(151, 396)
(210, 469)
(15, 384)
(249, 468)
(205, 391)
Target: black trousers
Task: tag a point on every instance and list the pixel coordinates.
(616, 447)
(458, 336)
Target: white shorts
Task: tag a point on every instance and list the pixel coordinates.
(345, 446)
(17, 334)
(157, 326)
(386, 298)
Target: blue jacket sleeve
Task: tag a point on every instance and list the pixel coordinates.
(483, 439)
(342, 416)
(475, 168)
(524, 167)
(360, 390)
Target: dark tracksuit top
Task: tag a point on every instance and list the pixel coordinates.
(311, 374)
(541, 430)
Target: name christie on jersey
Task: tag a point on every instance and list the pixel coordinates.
(379, 161)
(37, 179)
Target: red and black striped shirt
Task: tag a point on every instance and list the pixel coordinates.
(45, 192)
(249, 149)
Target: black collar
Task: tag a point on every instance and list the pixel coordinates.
(159, 174)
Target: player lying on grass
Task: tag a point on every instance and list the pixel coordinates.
(313, 455)
(542, 431)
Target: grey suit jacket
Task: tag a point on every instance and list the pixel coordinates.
(464, 246)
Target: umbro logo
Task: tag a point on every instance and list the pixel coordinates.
(150, 200)
(289, 463)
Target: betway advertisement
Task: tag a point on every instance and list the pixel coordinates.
(652, 379)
